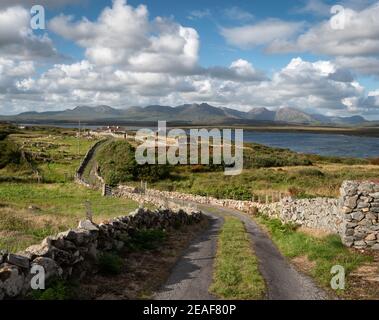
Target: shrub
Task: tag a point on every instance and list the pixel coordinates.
(57, 290)
(110, 264)
(117, 164)
(9, 153)
(146, 240)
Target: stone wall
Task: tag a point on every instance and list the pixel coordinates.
(318, 213)
(354, 216)
(79, 172)
(73, 254)
(360, 209)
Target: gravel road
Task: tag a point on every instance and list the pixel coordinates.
(191, 277)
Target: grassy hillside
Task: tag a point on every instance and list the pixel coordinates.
(38, 197)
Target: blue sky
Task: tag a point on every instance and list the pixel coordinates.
(242, 54)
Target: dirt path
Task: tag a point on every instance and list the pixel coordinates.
(191, 277)
(283, 281)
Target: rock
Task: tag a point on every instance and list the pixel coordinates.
(87, 225)
(39, 250)
(3, 255)
(374, 228)
(351, 224)
(18, 260)
(357, 216)
(351, 202)
(371, 237)
(51, 267)
(359, 243)
(346, 210)
(11, 280)
(375, 246)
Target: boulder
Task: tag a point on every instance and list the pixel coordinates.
(87, 225)
(18, 260)
(11, 280)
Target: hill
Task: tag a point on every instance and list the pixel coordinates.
(186, 113)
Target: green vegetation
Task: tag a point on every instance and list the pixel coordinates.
(302, 182)
(110, 263)
(236, 274)
(57, 290)
(323, 252)
(30, 211)
(117, 164)
(146, 240)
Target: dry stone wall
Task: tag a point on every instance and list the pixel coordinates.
(318, 213)
(354, 216)
(73, 254)
(360, 209)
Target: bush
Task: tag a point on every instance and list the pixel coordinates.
(110, 264)
(146, 240)
(117, 164)
(9, 153)
(57, 290)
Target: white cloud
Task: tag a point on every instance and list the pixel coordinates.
(199, 14)
(123, 35)
(359, 37)
(18, 41)
(261, 33)
(238, 15)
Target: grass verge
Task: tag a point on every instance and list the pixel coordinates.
(236, 274)
(319, 253)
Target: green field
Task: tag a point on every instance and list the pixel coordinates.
(266, 170)
(38, 195)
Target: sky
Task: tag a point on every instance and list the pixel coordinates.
(314, 55)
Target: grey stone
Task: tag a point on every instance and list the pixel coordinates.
(359, 243)
(11, 280)
(375, 246)
(40, 250)
(351, 224)
(18, 260)
(50, 266)
(374, 228)
(87, 225)
(357, 216)
(349, 232)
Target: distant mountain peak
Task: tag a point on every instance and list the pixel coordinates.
(199, 113)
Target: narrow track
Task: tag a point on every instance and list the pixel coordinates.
(191, 277)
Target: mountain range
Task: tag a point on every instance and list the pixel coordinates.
(187, 113)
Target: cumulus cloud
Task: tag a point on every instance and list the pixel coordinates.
(359, 37)
(11, 71)
(18, 41)
(261, 33)
(124, 35)
(312, 86)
